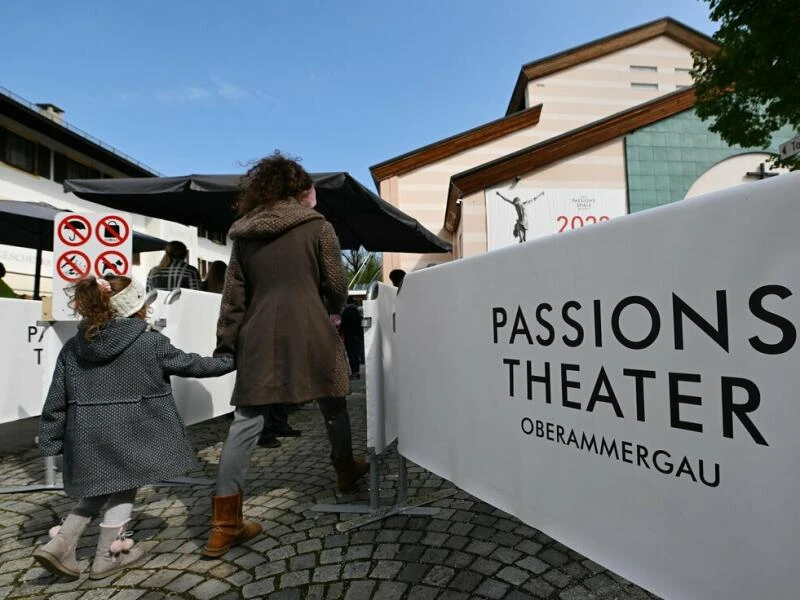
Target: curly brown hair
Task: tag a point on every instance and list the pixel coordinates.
(274, 177)
(93, 303)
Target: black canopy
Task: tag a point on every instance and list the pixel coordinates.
(30, 225)
(360, 217)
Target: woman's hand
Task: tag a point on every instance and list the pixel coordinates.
(336, 320)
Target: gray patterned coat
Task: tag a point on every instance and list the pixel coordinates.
(110, 409)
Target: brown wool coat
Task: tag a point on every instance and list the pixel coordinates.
(284, 278)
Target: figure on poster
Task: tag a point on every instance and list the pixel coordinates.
(521, 226)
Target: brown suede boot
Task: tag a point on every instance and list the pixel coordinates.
(348, 471)
(228, 528)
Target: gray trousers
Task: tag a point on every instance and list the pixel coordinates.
(120, 507)
(248, 422)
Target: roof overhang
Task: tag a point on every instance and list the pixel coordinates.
(572, 142)
(16, 111)
(448, 147)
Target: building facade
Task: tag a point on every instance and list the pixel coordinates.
(590, 134)
(38, 151)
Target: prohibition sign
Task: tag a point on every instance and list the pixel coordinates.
(112, 230)
(73, 265)
(113, 261)
(74, 230)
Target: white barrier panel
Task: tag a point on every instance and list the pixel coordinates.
(28, 353)
(381, 371)
(191, 326)
(630, 389)
(27, 357)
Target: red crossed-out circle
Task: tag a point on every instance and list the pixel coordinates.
(75, 260)
(111, 260)
(66, 226)
(111, 236)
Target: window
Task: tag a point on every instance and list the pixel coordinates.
(67, 168)
(76, 170)
(682, 71)
(20, 153)
(645, 68)
(43, 162)
(644, 86)
(215, 236)
(24, 154)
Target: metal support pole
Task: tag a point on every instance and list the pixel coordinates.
(402, 491)
(37, 278)
(51, 483)
(374, 480)
(50, 471)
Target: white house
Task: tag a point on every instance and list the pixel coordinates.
(38, 151)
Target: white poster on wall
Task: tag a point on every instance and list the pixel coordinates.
(517, 214)
(632, 397)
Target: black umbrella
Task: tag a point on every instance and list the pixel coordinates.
(360, 217)
(30, 225)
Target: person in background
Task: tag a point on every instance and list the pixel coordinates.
(173, 271)
(5, 289)
(110, 412)
(396, 277)
(276, 425)
(284, 290)
(215, 278)
(353, 334)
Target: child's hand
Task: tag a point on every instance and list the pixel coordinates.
(227, 362)
(336, 320)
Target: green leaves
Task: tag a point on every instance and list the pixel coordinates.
(751, 87)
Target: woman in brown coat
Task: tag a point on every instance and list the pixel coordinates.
(284, 286)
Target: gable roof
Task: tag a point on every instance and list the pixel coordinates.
(450, 146)
(667, 26)
(554, 149)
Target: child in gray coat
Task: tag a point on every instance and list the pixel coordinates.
(111, 413)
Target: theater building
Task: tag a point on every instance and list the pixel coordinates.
(591, 133)
(38, 151)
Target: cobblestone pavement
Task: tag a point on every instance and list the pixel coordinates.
(468, 550)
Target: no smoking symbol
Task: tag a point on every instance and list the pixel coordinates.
(112, 262)
(112, 231)
(73, 265)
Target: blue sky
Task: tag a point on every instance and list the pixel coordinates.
(203, 86)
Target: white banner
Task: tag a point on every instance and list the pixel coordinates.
(28, 352)
(381, 371)
(516, 214)
(192, 326)
(87, 244)
(629, 389)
